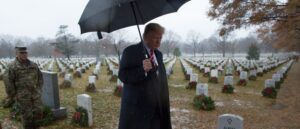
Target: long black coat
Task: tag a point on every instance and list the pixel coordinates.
(142, 94)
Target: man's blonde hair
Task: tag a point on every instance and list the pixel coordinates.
(153, 27)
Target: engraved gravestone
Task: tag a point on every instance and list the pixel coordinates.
(269, 83)
(228, 80)
(202, 89)
(194, 78)
(230, 121)
(189, 71)
(243, 75)
(50, 94)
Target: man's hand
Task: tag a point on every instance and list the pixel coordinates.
(147, 65)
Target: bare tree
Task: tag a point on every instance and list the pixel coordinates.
(95, 45)
(6, 49)
(40, 47)
(194, 40)
(232, 47)
(202, 46)
(117, 41)
(169, 42)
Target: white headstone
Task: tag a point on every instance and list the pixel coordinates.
(228, 80)
(276, 77)
(92, 79)
(230, 121)
(280, 74)
(214, 73)
(253, 73)
(85, 101)
(206, 70)
(202, 88)
(68, 77)
(269, 83)
(194, 77)
(243, 75)
(189, 71)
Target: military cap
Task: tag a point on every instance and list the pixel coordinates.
(21, 49)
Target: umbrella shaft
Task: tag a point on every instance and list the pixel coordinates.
(135, 18)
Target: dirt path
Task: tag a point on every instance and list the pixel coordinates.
(287, 108)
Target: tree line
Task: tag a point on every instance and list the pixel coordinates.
(66, 44)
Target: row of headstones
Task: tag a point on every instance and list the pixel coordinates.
(264, 66)
(187, 70)
(2, 70)
(167, 59)
(42, 63)
(80, 67)
(212, 64)
(169, 66)
(211, 73)
(244, 78)
(113, 69)
(279, 76)
(51, 66)
(207, 63)
(4, 62)
(228, 80)
(92, 79)
(91, 87)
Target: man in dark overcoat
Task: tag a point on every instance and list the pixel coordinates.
(145, 99)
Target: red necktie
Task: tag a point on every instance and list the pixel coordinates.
(152, 57)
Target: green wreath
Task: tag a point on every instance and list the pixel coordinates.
(227, 89)
(41, 119)
(80, 117)
(203, 102)
(269, 92)
(47, 117)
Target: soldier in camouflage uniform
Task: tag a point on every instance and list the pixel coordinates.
(23, 82)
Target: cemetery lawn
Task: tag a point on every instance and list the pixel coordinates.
(258, 112)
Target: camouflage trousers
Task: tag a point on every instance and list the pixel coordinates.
(31, 111)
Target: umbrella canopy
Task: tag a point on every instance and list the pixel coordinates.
(111, 15)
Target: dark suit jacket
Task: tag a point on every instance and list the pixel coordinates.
(143, 96)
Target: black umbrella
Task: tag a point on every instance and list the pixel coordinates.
(111, 15)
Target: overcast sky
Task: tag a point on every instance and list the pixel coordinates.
(36, 18)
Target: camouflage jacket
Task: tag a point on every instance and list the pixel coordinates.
(23, 81)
